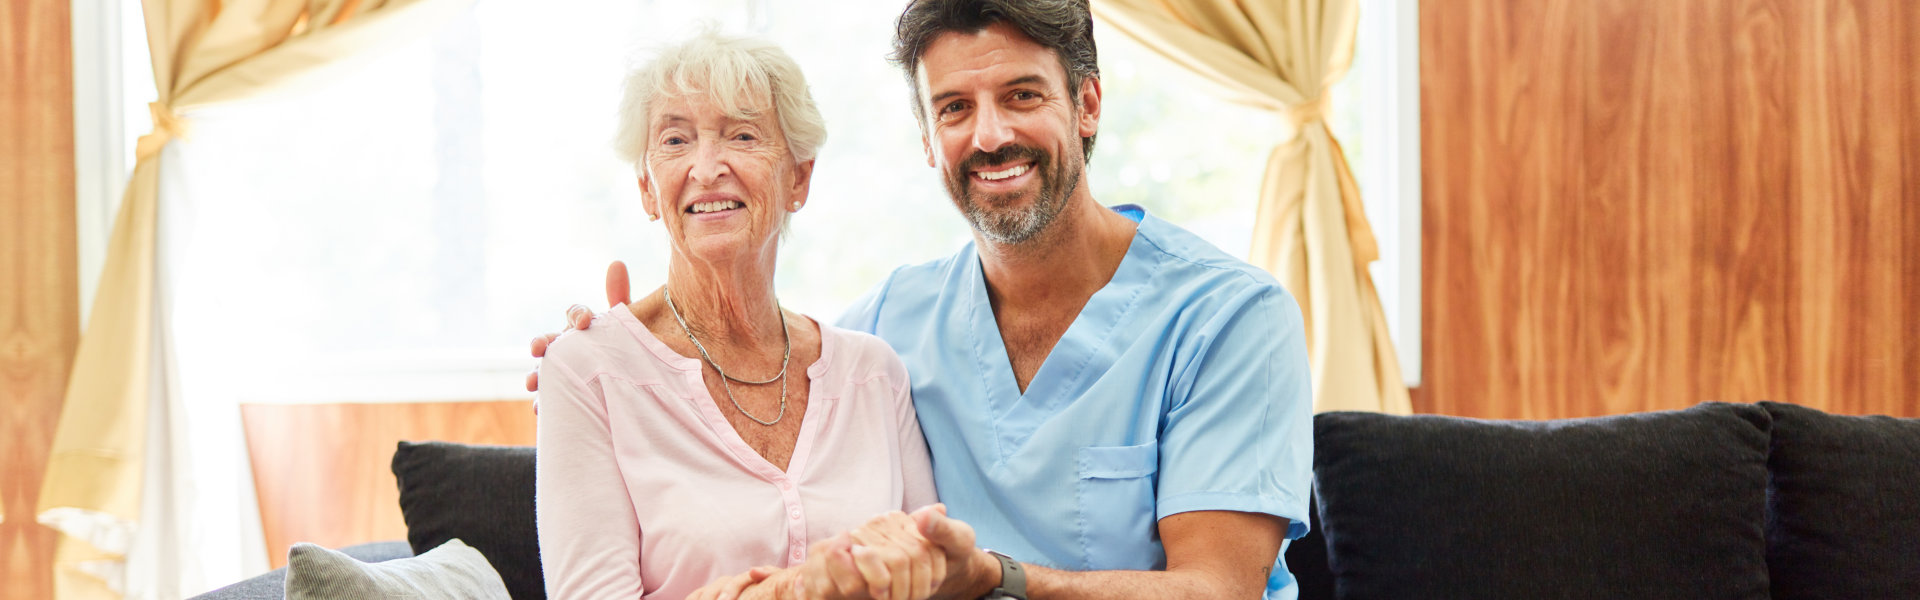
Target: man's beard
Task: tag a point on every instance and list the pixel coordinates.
(998, 216)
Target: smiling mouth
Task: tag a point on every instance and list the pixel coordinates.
(716, 206)
(1007, 173)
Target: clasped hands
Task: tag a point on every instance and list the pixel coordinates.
(894, 556)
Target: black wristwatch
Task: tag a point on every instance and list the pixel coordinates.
(1013, 580)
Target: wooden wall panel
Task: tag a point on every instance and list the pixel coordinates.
(1638, 205)
(323, 471)
(39, 292)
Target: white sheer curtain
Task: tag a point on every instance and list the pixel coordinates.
(148, 477)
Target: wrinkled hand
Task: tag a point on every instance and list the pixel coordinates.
(579, 316)
(885, 559)
(732, 586)
(969, 569)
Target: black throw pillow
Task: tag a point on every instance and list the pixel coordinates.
(1843, 517)
(1645, 506)
(480, 494)
(1307, 560)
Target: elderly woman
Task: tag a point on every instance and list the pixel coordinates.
(703, 430)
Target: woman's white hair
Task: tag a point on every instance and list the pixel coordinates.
(738, 74)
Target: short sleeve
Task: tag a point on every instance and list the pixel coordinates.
(1238, 429)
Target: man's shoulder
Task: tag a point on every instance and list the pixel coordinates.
(918, 284)
(936, 271)
(910, 291)
(1188, 259)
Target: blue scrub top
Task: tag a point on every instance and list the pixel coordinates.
(1181, 386)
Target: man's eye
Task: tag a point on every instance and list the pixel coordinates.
(1025, 95)
(953, 108)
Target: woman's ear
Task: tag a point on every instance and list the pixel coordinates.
(802, 182)
(649, 201)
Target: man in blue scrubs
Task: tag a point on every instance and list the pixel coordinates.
(1111, 401)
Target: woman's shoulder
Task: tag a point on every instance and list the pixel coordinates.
(859, 355)
(608, 344)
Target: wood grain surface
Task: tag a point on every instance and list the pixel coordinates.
(1637, 205)
(39, 290)
(324, 471)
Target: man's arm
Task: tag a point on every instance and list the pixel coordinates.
(1210, 554)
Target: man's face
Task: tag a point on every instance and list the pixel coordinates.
(1004, 130)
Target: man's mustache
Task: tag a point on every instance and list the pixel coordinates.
(1004, 155)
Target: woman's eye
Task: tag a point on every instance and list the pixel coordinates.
(743, 137)
(674, 141)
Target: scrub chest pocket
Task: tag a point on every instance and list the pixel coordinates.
(1116, 494)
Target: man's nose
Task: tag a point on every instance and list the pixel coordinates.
(709, 164)
(991, 129)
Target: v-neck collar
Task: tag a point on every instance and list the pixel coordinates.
(695, 393)
(1080, 352)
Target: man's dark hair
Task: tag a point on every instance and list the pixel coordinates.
(1064, 26)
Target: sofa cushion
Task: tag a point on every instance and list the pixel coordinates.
(452, 571)
(480, 494)
(1844, 505)
(1652, 505)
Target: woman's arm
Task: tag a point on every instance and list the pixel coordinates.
(916, 466)
(589, 534)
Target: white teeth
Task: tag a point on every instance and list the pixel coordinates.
(999, 175)
(717, 206)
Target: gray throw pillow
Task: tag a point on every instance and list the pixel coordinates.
(453, 571)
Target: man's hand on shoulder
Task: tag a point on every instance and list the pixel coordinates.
(580, 317)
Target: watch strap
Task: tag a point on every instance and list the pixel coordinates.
(1013, 579)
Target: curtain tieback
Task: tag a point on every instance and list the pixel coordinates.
(1307, 112)
(167, 125)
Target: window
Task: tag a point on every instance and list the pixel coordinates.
(399, 234)
(1376, 116)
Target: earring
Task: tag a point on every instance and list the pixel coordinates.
(796, 207)
(652, 218)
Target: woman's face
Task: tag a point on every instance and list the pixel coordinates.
(723, 185)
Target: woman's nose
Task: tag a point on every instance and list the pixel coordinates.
(709, 164)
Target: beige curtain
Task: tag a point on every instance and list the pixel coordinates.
(205, 53)
(1283, 56)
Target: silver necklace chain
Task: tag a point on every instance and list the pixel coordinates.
(785, 358)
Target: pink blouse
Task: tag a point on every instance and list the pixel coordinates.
(645, 490)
